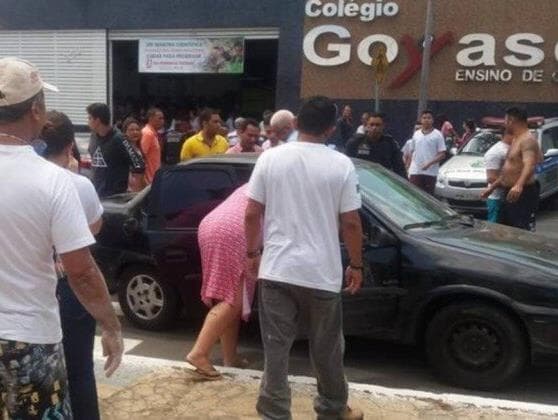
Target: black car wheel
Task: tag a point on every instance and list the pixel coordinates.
(147, 301)
(475, 345)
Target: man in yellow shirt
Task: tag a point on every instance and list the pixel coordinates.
(207, 141)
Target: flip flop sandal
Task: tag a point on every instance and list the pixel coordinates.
(207, 374)
(210, 374)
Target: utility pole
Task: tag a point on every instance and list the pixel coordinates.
(425, 73)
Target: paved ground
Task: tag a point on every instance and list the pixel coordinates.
(174, 393)
(368, 362)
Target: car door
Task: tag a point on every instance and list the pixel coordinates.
(182, 195)
(373, 310)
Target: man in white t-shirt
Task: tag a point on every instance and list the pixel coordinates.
(494, 161)
(305, 192)
(428, 150)
(41, 211)
(78, 327)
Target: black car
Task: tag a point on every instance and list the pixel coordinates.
(481, 298)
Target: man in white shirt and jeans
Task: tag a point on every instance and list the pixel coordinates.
(494, 160)
(41, 211)
(305, 192)
(428, 149)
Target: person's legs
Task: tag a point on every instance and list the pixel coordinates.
(78, 328)
(429, 184)
(229, 342)
(33, 377)
(493, 207)
(278, 313)
(229, 338)
(327, 346)
(416, 180)
(217, 320)
(521, 214)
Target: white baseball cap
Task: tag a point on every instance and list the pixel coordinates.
(19, 81)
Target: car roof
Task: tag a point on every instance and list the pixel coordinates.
(240, 158)
(251, 158)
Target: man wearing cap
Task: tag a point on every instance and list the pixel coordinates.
(44, 211)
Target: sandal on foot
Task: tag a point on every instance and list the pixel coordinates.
(210, 373)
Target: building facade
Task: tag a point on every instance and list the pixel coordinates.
(486, 55)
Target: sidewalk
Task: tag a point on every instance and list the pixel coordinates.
(155, 389)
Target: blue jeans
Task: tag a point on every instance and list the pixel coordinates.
(494, 207)
(78, 328)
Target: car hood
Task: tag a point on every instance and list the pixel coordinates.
(506, 243)
(465, 167)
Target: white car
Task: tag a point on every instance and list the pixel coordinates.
(462, 179)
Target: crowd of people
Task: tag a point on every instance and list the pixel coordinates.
(52, 293)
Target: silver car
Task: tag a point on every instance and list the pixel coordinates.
(462, 179)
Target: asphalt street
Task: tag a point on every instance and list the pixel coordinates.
(368, 362)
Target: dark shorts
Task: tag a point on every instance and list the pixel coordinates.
(33, 381)
(424, 182)
(522, 213)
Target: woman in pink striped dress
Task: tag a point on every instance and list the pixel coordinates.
(226, 288)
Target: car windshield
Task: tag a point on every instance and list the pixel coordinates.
(480, 143)
(404, 204)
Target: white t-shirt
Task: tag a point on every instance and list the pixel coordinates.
(425, 147)
(88, 198)
(304, 187)
(267, 144)
(407, 148)
(494, 160)
(40, 209)
(361, 129)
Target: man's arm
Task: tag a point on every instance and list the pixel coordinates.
(440, 156)
(492, 178)
(492, 175)
(530, 153)
(497, 183)
(351, 148)
(351, 232)
(88, 284)
(95, 227)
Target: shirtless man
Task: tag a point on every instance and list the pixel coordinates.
(517, 177)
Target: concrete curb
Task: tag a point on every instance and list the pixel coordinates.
(141, 366)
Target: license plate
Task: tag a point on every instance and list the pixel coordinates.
(467, 196)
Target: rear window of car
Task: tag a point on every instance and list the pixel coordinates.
(187, 196)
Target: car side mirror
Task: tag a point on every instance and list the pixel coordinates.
(551, 153)
(379, 237)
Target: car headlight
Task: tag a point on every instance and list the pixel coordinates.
(442, 180)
